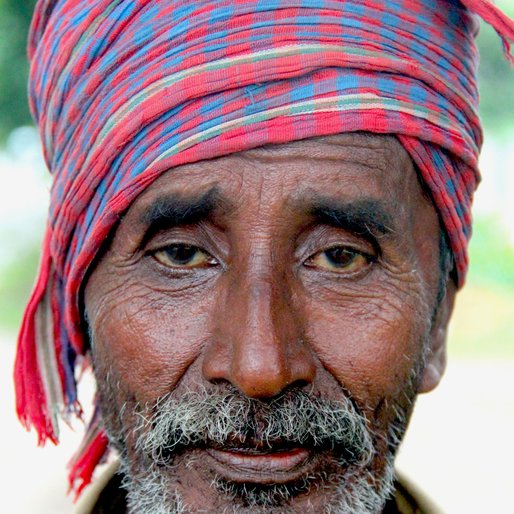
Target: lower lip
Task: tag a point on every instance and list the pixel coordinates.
(242, 467)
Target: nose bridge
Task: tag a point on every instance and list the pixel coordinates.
(261, 335)
(258, 293)
(262, 313)
(259, 347)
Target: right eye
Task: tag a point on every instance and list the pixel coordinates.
(184, 256)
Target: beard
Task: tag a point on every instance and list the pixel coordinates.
(181, 422)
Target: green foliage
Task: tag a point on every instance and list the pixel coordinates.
(482, 325)
(14, 22)
(491, 255)
(482, 322)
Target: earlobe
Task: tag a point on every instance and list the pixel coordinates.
(435, 366)
(436, 359)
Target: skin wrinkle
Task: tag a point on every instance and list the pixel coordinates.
(264, 323)
(366, 311)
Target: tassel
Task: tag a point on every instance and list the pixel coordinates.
(31, 400)
(492, 15)
(81, 468)
(92, 451)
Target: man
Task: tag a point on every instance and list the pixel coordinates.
(258, 224)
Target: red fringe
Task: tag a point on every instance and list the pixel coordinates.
(31, 402)
(82, 468)
(503, 25)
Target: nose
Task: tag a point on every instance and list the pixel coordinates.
(257, 345)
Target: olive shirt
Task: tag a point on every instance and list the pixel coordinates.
(106, 496)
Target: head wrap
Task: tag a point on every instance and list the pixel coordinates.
(125, 90)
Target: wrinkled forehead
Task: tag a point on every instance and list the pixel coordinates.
(289, 179)
(378, 159)
(364, 147)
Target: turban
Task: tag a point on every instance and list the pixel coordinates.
(125, 90)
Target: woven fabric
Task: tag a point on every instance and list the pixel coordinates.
(124, 90)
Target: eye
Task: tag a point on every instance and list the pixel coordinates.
(340, 260)
(184, 256)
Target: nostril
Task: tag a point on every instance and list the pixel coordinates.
(300, 384)
(220, 382)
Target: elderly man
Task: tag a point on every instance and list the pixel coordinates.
(258, 224)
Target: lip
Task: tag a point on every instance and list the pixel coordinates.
(241, 465)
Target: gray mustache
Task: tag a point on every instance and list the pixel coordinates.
(228, 419)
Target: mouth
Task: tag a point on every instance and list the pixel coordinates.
(262, 465)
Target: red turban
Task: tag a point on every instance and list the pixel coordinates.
(124, 90)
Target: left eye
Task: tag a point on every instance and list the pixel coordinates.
(339, 259)
(184, 256)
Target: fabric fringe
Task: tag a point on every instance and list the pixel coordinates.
(500, 22)
(43, 377)
(92, 451)
(32, 369)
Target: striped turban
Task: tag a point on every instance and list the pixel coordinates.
(124, 90)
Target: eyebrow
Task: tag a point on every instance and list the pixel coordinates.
(176, 209)
(365, 217)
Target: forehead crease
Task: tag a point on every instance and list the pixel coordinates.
(365, 153)
(348, 158)
(335, 147)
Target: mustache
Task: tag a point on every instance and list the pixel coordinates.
(225, 418)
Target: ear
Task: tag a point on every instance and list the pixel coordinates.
(436, 360)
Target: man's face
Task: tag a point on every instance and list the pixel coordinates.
(261, 324)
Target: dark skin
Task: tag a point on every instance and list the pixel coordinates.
(312, 265)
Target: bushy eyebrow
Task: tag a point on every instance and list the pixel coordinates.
(366, 217)
(177, 209)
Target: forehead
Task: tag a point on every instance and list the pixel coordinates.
(345, 166)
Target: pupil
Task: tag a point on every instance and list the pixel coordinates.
(339, 256)
(181, 254)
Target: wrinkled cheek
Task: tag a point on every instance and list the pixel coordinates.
(373, 359)
(149, 345)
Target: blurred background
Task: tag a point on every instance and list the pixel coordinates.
(459, 446)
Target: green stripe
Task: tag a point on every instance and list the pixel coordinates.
(265, 55)
(333, 104)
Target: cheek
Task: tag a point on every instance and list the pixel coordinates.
(149, 338)
(369, 345)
